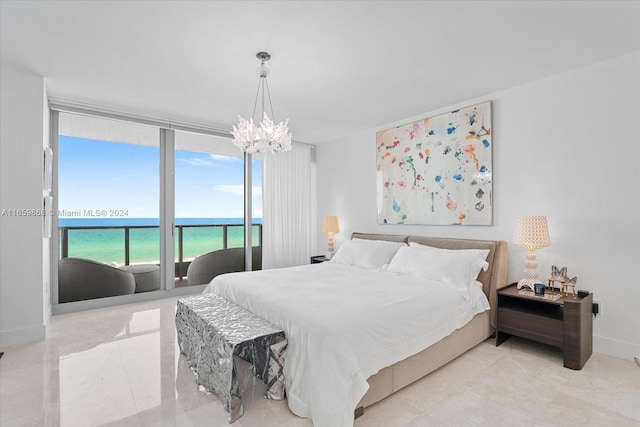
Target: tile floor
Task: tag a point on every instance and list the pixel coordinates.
(122, 367)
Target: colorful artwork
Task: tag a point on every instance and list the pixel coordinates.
(437, 170)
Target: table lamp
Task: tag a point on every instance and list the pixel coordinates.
(330, 226)
(532, 232)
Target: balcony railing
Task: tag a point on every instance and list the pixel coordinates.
(181, 264)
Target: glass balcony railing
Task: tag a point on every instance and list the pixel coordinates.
(134, 244)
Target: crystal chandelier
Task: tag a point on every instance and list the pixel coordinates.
(267, 136)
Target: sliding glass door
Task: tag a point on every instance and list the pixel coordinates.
(209, 207)
(108, 208)
(130, 196)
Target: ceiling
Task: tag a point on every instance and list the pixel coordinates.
(337, 67)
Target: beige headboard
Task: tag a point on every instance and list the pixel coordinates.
(493, 279)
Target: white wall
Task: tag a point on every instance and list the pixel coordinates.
(567, 147)
(24, 303)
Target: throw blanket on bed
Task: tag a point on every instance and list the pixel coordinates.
(344, 324)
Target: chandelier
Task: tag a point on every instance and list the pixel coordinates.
(267, 136)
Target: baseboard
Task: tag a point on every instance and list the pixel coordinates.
(622, 349)
(23, 335)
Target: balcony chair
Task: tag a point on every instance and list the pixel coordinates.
(205, 267)
(83, 279)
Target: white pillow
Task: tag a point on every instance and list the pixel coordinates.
(373, 254)
(458, 268)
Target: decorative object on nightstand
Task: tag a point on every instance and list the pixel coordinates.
(557, 275)
(531, 233)
(330, 226)
(560, 276)
(569, 283)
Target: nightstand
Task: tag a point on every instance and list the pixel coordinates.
(317, 259)
(564, 322)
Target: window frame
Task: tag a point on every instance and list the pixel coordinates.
(166, 140)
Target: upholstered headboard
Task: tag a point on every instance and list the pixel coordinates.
(493, 279)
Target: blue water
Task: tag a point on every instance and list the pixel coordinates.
(116, 222)
(108, 244)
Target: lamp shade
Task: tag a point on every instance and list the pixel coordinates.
(532, 232)
(330, 225)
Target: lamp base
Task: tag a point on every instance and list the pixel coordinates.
(527, 283)
(530, 272)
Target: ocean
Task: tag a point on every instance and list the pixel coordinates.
(106, 244)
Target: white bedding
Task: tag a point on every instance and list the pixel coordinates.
(344, 324)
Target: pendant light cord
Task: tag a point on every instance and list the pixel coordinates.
(263, 85)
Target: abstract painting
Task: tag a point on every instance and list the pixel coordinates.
(437, 170)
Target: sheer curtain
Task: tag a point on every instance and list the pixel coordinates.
(286, 202)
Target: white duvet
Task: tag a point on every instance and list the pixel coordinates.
(344, 324)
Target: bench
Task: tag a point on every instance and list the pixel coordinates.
(213, 332)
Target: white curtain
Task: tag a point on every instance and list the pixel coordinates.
(286, 203)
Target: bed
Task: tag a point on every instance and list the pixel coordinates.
(361, 329)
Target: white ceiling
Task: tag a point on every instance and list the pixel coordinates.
(338, 67)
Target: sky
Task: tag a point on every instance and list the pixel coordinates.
(122, 180)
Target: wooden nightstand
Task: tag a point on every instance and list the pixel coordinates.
(317, 259)
(565, 323)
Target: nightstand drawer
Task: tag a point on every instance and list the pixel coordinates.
(531, 326)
